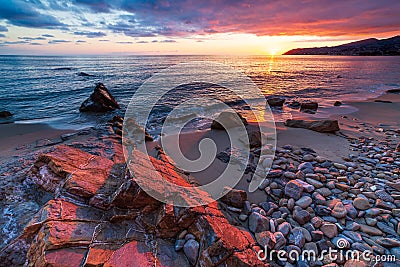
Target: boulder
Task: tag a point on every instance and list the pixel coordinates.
(5, 114)
(322, 126)
(309, 106)
(229, 119)
(235, 198)
(276, 101)
(100, 100)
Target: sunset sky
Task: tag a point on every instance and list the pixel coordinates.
(188, 26)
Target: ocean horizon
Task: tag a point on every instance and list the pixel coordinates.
(50, 89)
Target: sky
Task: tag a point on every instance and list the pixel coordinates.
(258, 27)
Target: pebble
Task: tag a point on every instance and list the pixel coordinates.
(339, 211)
(302, 216)
(329, 229)
(258, 223)
(191, 250)
(266, 239)
(361, 203)
(304, 202)
(294, 189)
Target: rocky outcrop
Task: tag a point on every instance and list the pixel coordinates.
(100, 100)
(276, 101)
(130, 126)
(99, 216)
(229, 119)
(309, 106)
(323, 126)
(5, 114)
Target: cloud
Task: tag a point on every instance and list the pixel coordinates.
(167, 41)
(188, 18)
(35, 43)
(142, 42)
(58, 41)
(80, 41)
(91, 34)
(48, 35)
(3, 28)
(32, 38)
(104, 40)
(15, 42)
(2, 35)
(125, 42)
(95, 5)
(21, 13)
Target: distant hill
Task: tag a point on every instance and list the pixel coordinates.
(367, 47)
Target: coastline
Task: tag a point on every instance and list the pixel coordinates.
(22, 144)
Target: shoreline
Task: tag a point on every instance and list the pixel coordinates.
(312, 173)
(349, 115)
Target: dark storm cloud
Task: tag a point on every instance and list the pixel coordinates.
(24, 14)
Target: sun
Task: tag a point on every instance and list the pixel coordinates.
(272, 51)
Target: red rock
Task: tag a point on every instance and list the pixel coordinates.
(59, 210)
(98, 254)
(85, 173)
(64, 257)
(132, 254)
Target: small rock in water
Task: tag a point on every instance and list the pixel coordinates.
(337, 103)
(100, 100)
(5, 114)
(275, 101)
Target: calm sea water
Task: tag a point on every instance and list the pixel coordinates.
(49, 89)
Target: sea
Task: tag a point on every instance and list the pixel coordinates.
(50, 89)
